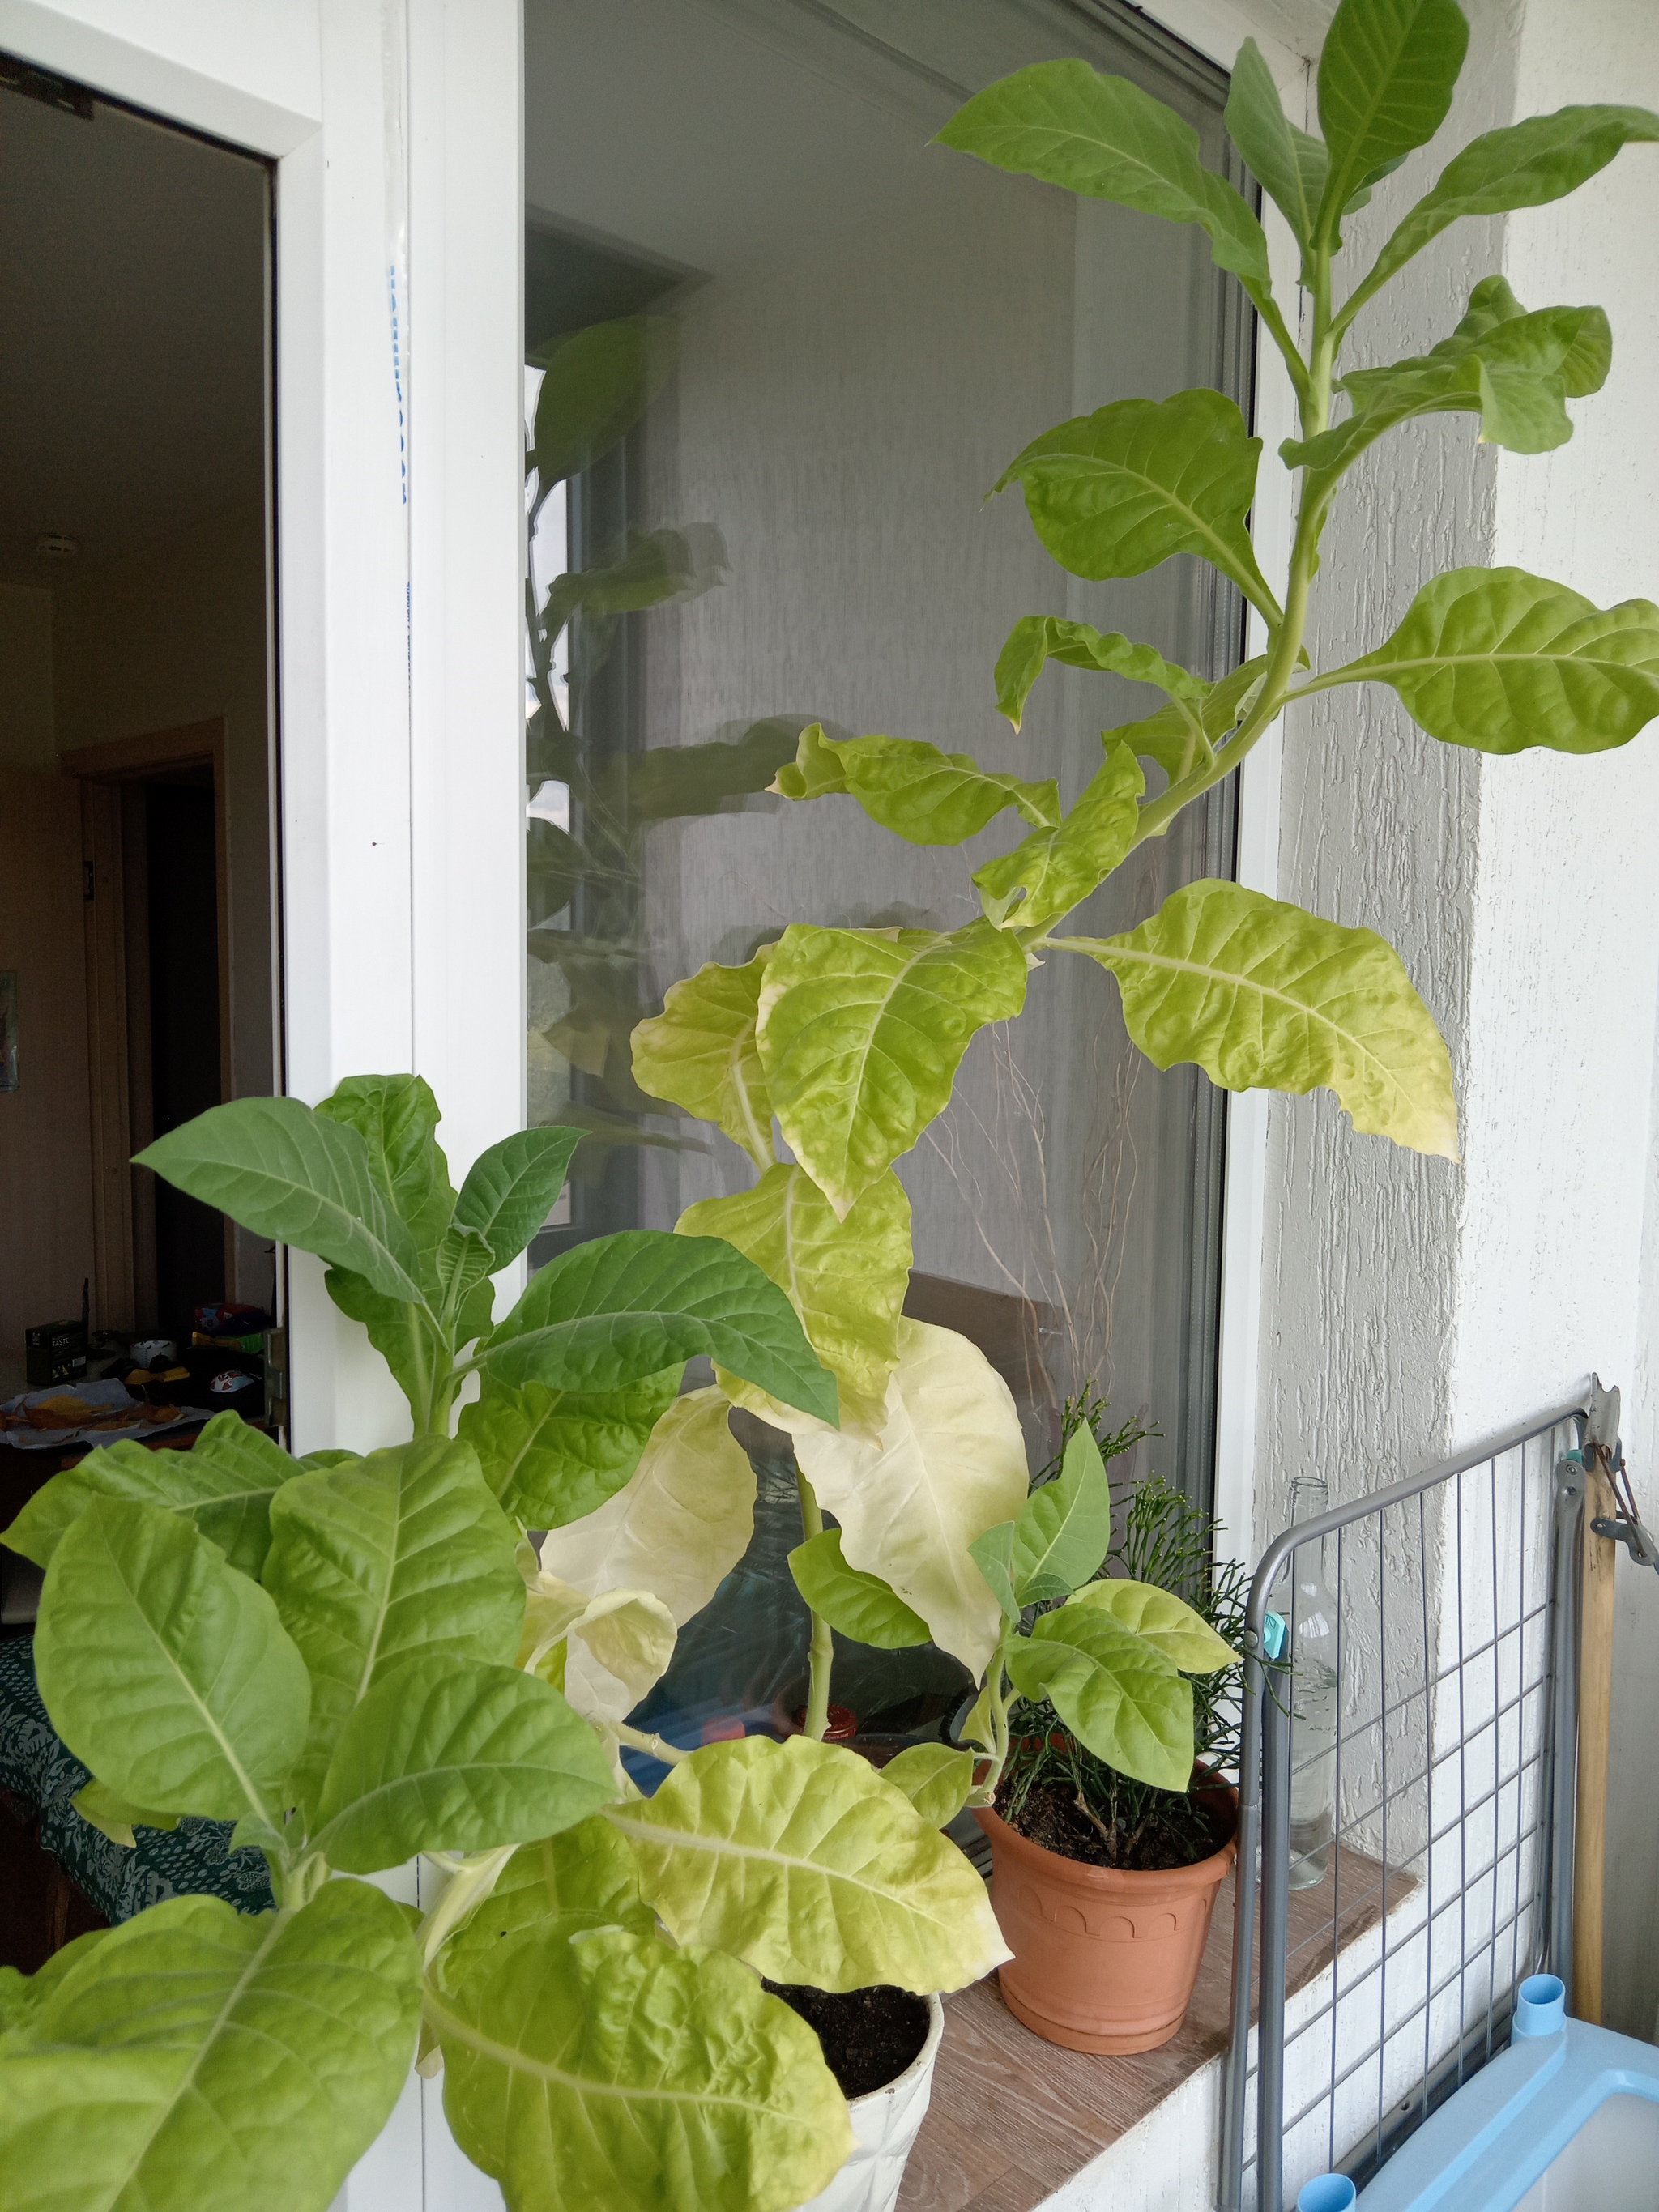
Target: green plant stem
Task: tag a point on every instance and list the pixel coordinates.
(637, 1740)
(822, 1651)
(1313, 388)
(1001, 1693)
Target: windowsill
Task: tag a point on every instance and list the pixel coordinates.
(1013, 2118)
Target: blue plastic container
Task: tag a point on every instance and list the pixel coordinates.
(1565, 2120)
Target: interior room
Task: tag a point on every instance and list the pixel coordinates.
(136, 979)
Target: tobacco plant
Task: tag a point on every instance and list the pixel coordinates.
(363, 1661)
(848, 1040)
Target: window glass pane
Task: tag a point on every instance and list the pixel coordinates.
(779, 348)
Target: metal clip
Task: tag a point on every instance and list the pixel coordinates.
(1634, 1535)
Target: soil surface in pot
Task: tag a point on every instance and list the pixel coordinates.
(1186, 1831)
(869, 2036)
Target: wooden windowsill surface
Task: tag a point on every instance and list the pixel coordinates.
(1013, 2118)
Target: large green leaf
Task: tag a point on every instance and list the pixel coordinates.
(510, 1188)
(402, 1553)
(798, 1859)
(1104, 136)
(1065, 1530)
(1513, 369)
(450, 1754)
(1501, 661)
(627, 1306)
(22, 1996)
(112, 1816)
(680, 1523)
(223, 1486)
(948, 1462)
(1116, 492)
(595, 387)
(700, 1053)
(1116, 1692)
(1523, 165)
(406, 1336)
(861, 1032)
(1386, 75)
(1289, 164)
(1036, 639)
(296, 1176)
(555, 1456)
(1052, 871)
(397, 1117)
(166, 1672)
(201, 2057)
(1161, 1619)
(583, 1876)
(846, 1279)
(860, 1605)
(586, 2066)
(1264, 996)
(912, 789)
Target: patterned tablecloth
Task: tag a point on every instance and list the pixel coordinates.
(38, 1766)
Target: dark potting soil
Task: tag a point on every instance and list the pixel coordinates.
(1186, 1831)
(869, 2036)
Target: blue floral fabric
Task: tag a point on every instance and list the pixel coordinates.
(38, 1766)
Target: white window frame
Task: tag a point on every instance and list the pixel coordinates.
(397, 663)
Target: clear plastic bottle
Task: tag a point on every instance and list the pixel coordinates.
(1314, 1692)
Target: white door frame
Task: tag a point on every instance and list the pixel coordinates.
(394, 129)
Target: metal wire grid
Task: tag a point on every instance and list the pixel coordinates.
(1450, 1871)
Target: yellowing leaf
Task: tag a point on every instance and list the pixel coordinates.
(934, 1778)
(621, 1646)
(1053, 870)
(1500, 661)
(948, 1462)
(846, 1279)
(588, 2066)
(1036, 638)
(700, 1053)
(922, 794)
(1116, 492)
(678, 1526)
(861, 1032)
(1264, 996)
(798, 1859)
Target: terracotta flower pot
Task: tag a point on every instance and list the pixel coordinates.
(1103, 1960)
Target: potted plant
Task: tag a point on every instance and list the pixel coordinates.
(1105, 1880)
(360, 1660)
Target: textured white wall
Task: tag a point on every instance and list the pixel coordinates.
(1412, 1306)
(1560, 1224)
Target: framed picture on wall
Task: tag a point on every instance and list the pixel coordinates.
(8, 1028)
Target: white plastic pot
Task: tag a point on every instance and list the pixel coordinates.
(885, 2123)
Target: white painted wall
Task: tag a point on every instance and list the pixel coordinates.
(1410, 1307)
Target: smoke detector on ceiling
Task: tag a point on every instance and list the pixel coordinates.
(55, 548)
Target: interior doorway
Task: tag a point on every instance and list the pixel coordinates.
(138, 767)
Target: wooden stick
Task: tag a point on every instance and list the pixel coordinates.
(1595, 1735)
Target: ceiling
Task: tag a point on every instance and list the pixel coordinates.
(132, 333)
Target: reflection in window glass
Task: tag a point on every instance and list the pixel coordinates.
(777, 348)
